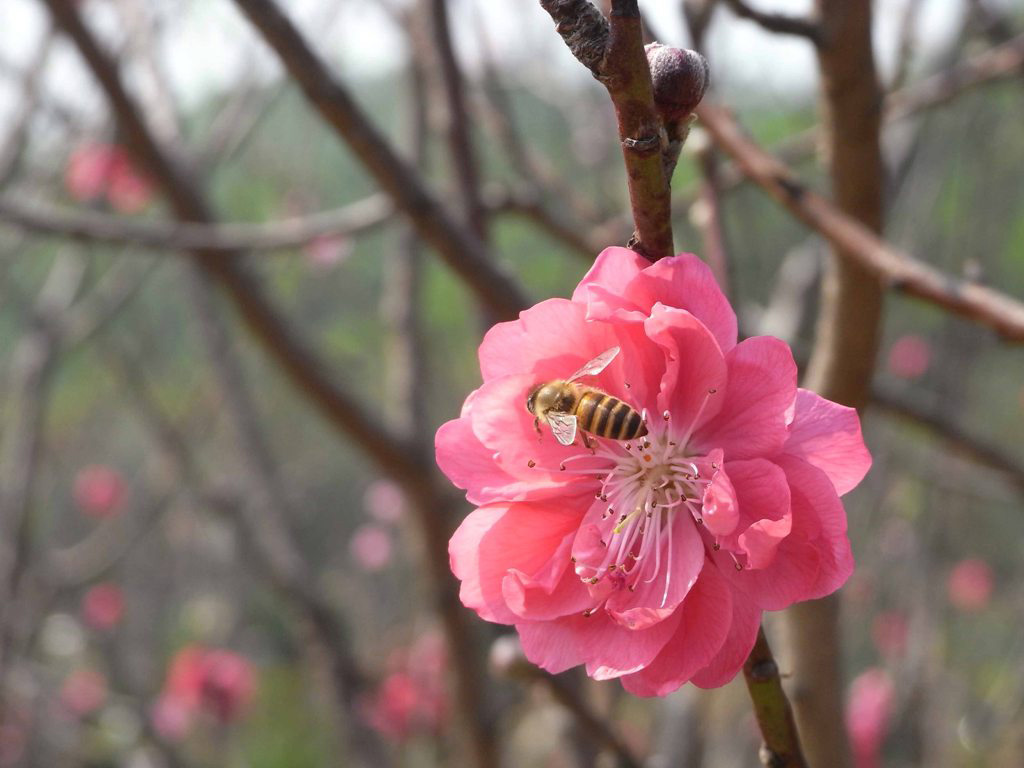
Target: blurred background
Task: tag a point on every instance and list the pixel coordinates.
(204, 560)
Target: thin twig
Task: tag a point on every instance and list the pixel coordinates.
(222, 238)
(974, 446)
(778, 22)
(781, 747)
(459, 247)
(893, 268)
(614, 53)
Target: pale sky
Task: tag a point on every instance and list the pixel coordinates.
(207, 44)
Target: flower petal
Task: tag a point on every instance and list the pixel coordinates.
(746, 619)
(686, 282)
(493, 540)
(614, 268)
(656, 599)
(761, 386)
(705, 623)
(828, 436)
(695, 372)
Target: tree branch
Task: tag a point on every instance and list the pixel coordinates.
(781, 747)
(889, 266)
(614, 52)
(461, 250)
(778, 22)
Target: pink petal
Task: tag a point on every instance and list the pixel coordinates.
(686, 282)
(719, 507)
(554, 338)
(705, 619)
(493, 540)
(537, 599)
(763, 496)
(761, 386)
(695, 366)
(815, 559)
(651, 603)
(502, 423)
(828, 436)
(470, 465)
(614, 268)
(746, 619)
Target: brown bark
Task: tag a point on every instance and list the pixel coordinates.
(844, 351)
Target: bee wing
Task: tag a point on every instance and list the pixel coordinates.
(563, 426)
(596, 365)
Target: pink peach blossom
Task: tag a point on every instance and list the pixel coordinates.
(868, 710)
(909, 356)
(649, 561)
(970, 585)
(103, 606)
(384, 501)
(83, 692)
(370, 547)
(412, 697)
(327, 251)
(215, 682)
(889, 631)
(96, 170)
(98, 491)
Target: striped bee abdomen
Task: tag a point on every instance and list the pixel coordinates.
(607, 416)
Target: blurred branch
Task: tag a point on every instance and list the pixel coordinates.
(781, 747)
(304, 368)
(13, 144)
(460, 248)
(457, 118)
(31, 374)
(849, 320)
(265, 521)
(973, 445)
(996, 63)
(222, 238)
(269, 540)
(907, 42)
(777, 22)
(614, 52)
(889, 266)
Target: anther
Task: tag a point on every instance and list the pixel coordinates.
(626, 383)
(700, 521)
(716, 546)
(648, 457)
(672, 443)
(589, 612)
(561, 467)
(714, 466)
(628, 447)
(666, 415)
(739, 567)
(712, 391)
(531, 463)
(603, 497)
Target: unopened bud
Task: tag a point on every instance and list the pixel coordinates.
(679, 76)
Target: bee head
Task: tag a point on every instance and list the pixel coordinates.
(531, 400)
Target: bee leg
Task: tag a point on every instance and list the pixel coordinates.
(587, 442)
(536, 425)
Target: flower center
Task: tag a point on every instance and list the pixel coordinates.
(650, 483)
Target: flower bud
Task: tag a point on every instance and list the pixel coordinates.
(679, 76)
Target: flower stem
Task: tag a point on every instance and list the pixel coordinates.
(781, 747)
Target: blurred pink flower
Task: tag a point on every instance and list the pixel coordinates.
(103, 606)
(970, 585)
(384, 501)
(868, 710)
(651, 561)
(98, 491)
(215, 682)
(171, 717)
(412, 697)
(97, 170)
(83, 692)
(370, 547)
(909, 356)
(889, 631)
(328, 250)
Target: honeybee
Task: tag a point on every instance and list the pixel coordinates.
(567, 406)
